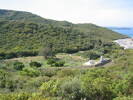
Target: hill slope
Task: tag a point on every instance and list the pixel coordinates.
(24, 31)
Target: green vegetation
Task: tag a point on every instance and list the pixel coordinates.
(25, 34)
(30, 72)
(112, 82)
(55, 62)
(57, 73)
(18, 65)
(35, 64)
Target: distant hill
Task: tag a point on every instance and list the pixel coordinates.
(121, 28)
(23, 31)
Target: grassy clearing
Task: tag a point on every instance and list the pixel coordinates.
(71, 60)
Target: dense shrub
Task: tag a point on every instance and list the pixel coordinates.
(2, 55)
(59, 63)
(71, 90)
(91, 54)
(51, 61)
(9, 55)
(26, 53)
(35, 64)
(30, 72)
(50, 88)
(54, 62)
(18, 65)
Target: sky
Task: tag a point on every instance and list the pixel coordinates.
(101, 12)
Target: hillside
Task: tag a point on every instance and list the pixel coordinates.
(27, 32)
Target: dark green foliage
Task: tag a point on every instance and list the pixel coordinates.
(93, 55)
(35, 64)
(18, 65)
(4, 55)
(59, 63)
(55, 62)
(109, 50)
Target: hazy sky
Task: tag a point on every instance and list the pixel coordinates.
(100, 12)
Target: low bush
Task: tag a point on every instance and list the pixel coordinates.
(35, 64)
(50, 88)
(30, 72)
(59, 63)
(51, 61)
(71, 90)
(56, 63)
(18, 65)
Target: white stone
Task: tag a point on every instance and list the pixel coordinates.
(90, 63)
(94, 62)
(126, 43)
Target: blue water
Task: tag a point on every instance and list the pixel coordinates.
(128, 32)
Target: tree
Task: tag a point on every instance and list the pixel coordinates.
(47, 51)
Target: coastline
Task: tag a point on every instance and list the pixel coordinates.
(126, 43)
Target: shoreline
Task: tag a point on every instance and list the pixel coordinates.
(127, 43)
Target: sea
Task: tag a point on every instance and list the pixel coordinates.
(124, 31)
